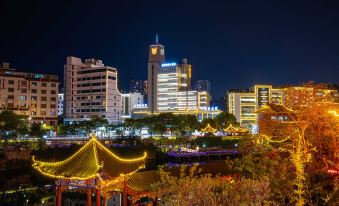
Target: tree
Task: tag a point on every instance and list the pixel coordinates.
(261, 161)
(64, 129)
(13, 124)
(190, 188)
(224, 119)
(39, 129)
(310, 129)
(186, 124)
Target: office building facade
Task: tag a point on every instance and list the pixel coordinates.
(30, 94)
(90, 90)
(155, 58)
(243, 104)
(169, 88)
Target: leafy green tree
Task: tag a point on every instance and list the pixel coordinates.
(13, 124)
(190, 188)
(264, 161)
(186, 124)
(39, 129)
(67, 129)
(224, 119)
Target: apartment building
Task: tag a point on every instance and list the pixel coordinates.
(31, 94)
(90, 90)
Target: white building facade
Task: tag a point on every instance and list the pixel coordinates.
(129, 102)
(91, 90)
(60, 104)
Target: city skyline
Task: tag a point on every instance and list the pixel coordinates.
(239, 45)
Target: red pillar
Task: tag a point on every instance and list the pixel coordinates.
(124, 194)
(104, 199)
(58, 195)
(89, 193)
(98, 197)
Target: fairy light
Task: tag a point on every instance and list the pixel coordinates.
(80, 170)
(208, 128)
(231, 128)
(334, 113)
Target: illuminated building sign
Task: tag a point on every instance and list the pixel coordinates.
(154, 50)
(209, 108)
(140, 106)
(169, 64)
(39, 76)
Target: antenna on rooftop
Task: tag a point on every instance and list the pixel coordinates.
(156, 38)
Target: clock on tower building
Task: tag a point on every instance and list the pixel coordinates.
(155, 59)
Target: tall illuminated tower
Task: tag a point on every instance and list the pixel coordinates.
(155, 59)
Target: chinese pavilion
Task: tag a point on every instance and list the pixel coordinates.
(209, 129)
(236, 131)
(92, 168)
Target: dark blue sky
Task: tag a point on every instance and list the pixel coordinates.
(234, 44)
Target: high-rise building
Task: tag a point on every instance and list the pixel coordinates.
(33, 95)
(173, 88)
(91, 90)
(202, 85)
(138, 86)
(169, 88)
(243, 104)
(155, 58)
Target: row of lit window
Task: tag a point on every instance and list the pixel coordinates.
(91, 110)
(89, 104)
(44, 106)
(25, 83)
(90, 91)
(33, 98)
(33, 91)
(92, 84)
(34, 113)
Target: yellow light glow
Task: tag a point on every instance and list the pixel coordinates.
(75, 168)
(154, 50)
(334, 113)
(208, 128)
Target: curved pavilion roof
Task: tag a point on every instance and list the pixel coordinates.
(274, 108)
(90, 160)
(232, 129)
(209, 128)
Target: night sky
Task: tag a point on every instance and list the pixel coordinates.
(234, 44)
